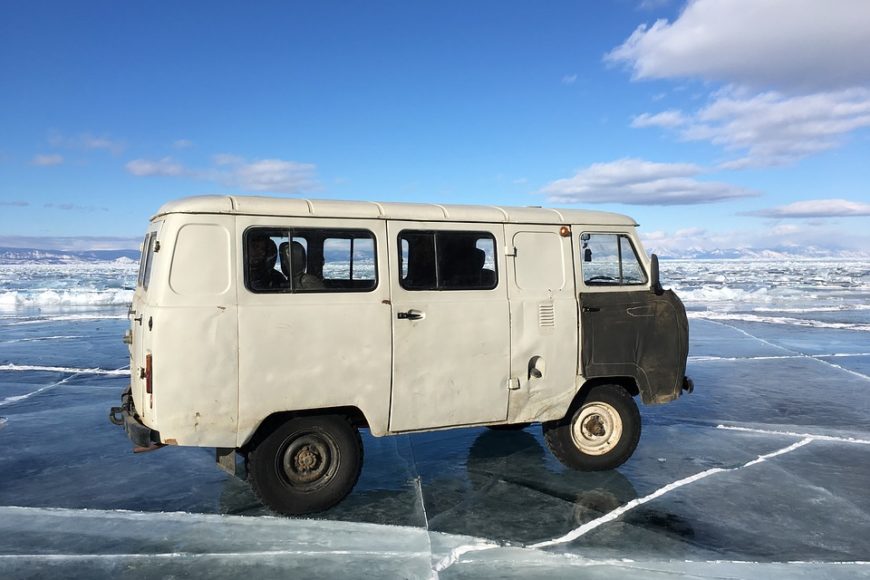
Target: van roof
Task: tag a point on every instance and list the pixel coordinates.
(284, 207)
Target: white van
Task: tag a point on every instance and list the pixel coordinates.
(277, 328)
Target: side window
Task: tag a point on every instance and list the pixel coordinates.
(262, 273)
(143, 258)
(350, 260)
(447, 260)
(309, 260)
(149, 257)
(610, 260)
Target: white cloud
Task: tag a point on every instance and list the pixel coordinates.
(47, 160)
(816, 208)
(639, 182)
(769, 128)
(163, 167)
(182, 144)
(227, 159)
(667, 119)
(74, 207)
(87, 141)
(569, 79)
(785, 44)
(273, 175)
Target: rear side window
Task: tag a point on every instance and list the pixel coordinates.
(142, 258)
(147, 258)
(447, 260)
(302, 260)
(610, 260)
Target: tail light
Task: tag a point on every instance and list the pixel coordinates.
(148, 374)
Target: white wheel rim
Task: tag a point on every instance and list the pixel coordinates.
(596, 428)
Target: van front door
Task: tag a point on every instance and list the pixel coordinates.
(451, 328)
(627, 329)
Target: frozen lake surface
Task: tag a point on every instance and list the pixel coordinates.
(762, 472)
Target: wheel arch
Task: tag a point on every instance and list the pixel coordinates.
(628, 383)
(270, 423)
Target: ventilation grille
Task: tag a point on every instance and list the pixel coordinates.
(546, 315)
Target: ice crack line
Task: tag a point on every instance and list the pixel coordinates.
(10, 400)
(793, 434)
(610, 516)
(457, 553)
(95, 371)
(795, 353)
(761, 340)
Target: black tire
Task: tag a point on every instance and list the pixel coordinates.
(306, 465)
(509, 427)
(600, 431)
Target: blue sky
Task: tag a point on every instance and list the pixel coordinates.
(694, 118)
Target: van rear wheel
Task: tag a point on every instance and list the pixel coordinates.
(306, 465)
(600, 432)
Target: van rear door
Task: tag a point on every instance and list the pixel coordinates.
(139, 314)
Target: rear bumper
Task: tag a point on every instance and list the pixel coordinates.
(142, 436)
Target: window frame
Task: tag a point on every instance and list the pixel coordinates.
(480, 234)
(149, 259)
(328, 232)
(146, 243)
(619, 282)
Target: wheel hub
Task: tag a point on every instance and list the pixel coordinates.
(596, 428)
(308, 459)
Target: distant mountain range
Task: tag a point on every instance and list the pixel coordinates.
(33, 255)
(780, 253)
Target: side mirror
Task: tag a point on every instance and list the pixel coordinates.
(655, 282)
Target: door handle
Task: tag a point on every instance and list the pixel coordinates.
(591, 309)
(411, 315)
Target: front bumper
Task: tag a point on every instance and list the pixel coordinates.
(143, 437)
(688, 385)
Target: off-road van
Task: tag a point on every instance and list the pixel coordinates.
(277, 328)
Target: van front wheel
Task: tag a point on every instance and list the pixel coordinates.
(306, 465)
(599, 433)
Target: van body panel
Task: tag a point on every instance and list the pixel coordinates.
(193, 331)
(290, 318)
(637, 334)
(543, 308)
(278, 207)
(317, 350)
(140, 311)
(225, 357)
(450, 367)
